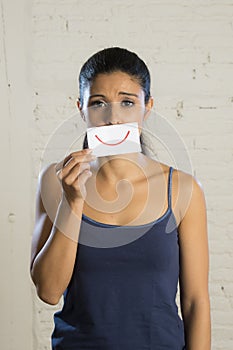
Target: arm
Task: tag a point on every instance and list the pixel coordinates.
(53, 253)
(194, 269)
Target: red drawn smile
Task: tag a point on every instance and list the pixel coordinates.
(113, 144)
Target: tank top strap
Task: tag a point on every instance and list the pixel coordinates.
(170, 187)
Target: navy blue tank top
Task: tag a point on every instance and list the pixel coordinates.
(122, 297)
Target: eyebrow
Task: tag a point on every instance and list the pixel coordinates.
(128, 93)
(120, 93)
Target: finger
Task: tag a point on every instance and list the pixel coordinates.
(78, 154)
(81, 180)
(63, 162)
(63, 171)
(75, 172)
(81, 153)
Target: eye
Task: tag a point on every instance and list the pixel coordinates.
(98, 104)
(127, 103)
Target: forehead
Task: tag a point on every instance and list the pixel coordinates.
(115, 82)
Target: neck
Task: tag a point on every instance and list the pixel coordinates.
(111, 169)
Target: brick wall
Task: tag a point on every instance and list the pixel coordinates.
(188, 46)
(15, 177)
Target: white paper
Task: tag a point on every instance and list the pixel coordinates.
(114, 139)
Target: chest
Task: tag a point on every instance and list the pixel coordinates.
(127, 204)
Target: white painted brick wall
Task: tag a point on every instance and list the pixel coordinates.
(15, 184)
(188, 46)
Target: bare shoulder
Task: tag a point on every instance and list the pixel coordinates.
(187, 191)
(188, 195)
(49, 190)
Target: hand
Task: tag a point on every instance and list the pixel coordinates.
(73, 172)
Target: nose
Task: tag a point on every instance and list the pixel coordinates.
(112, 122)
(114, 115)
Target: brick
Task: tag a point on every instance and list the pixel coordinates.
(188, 48)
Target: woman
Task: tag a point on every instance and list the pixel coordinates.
(121, 297)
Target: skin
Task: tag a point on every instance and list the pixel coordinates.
(53, 254)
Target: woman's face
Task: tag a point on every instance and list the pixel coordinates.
(114, 98)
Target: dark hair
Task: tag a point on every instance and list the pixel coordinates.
(112, 60)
